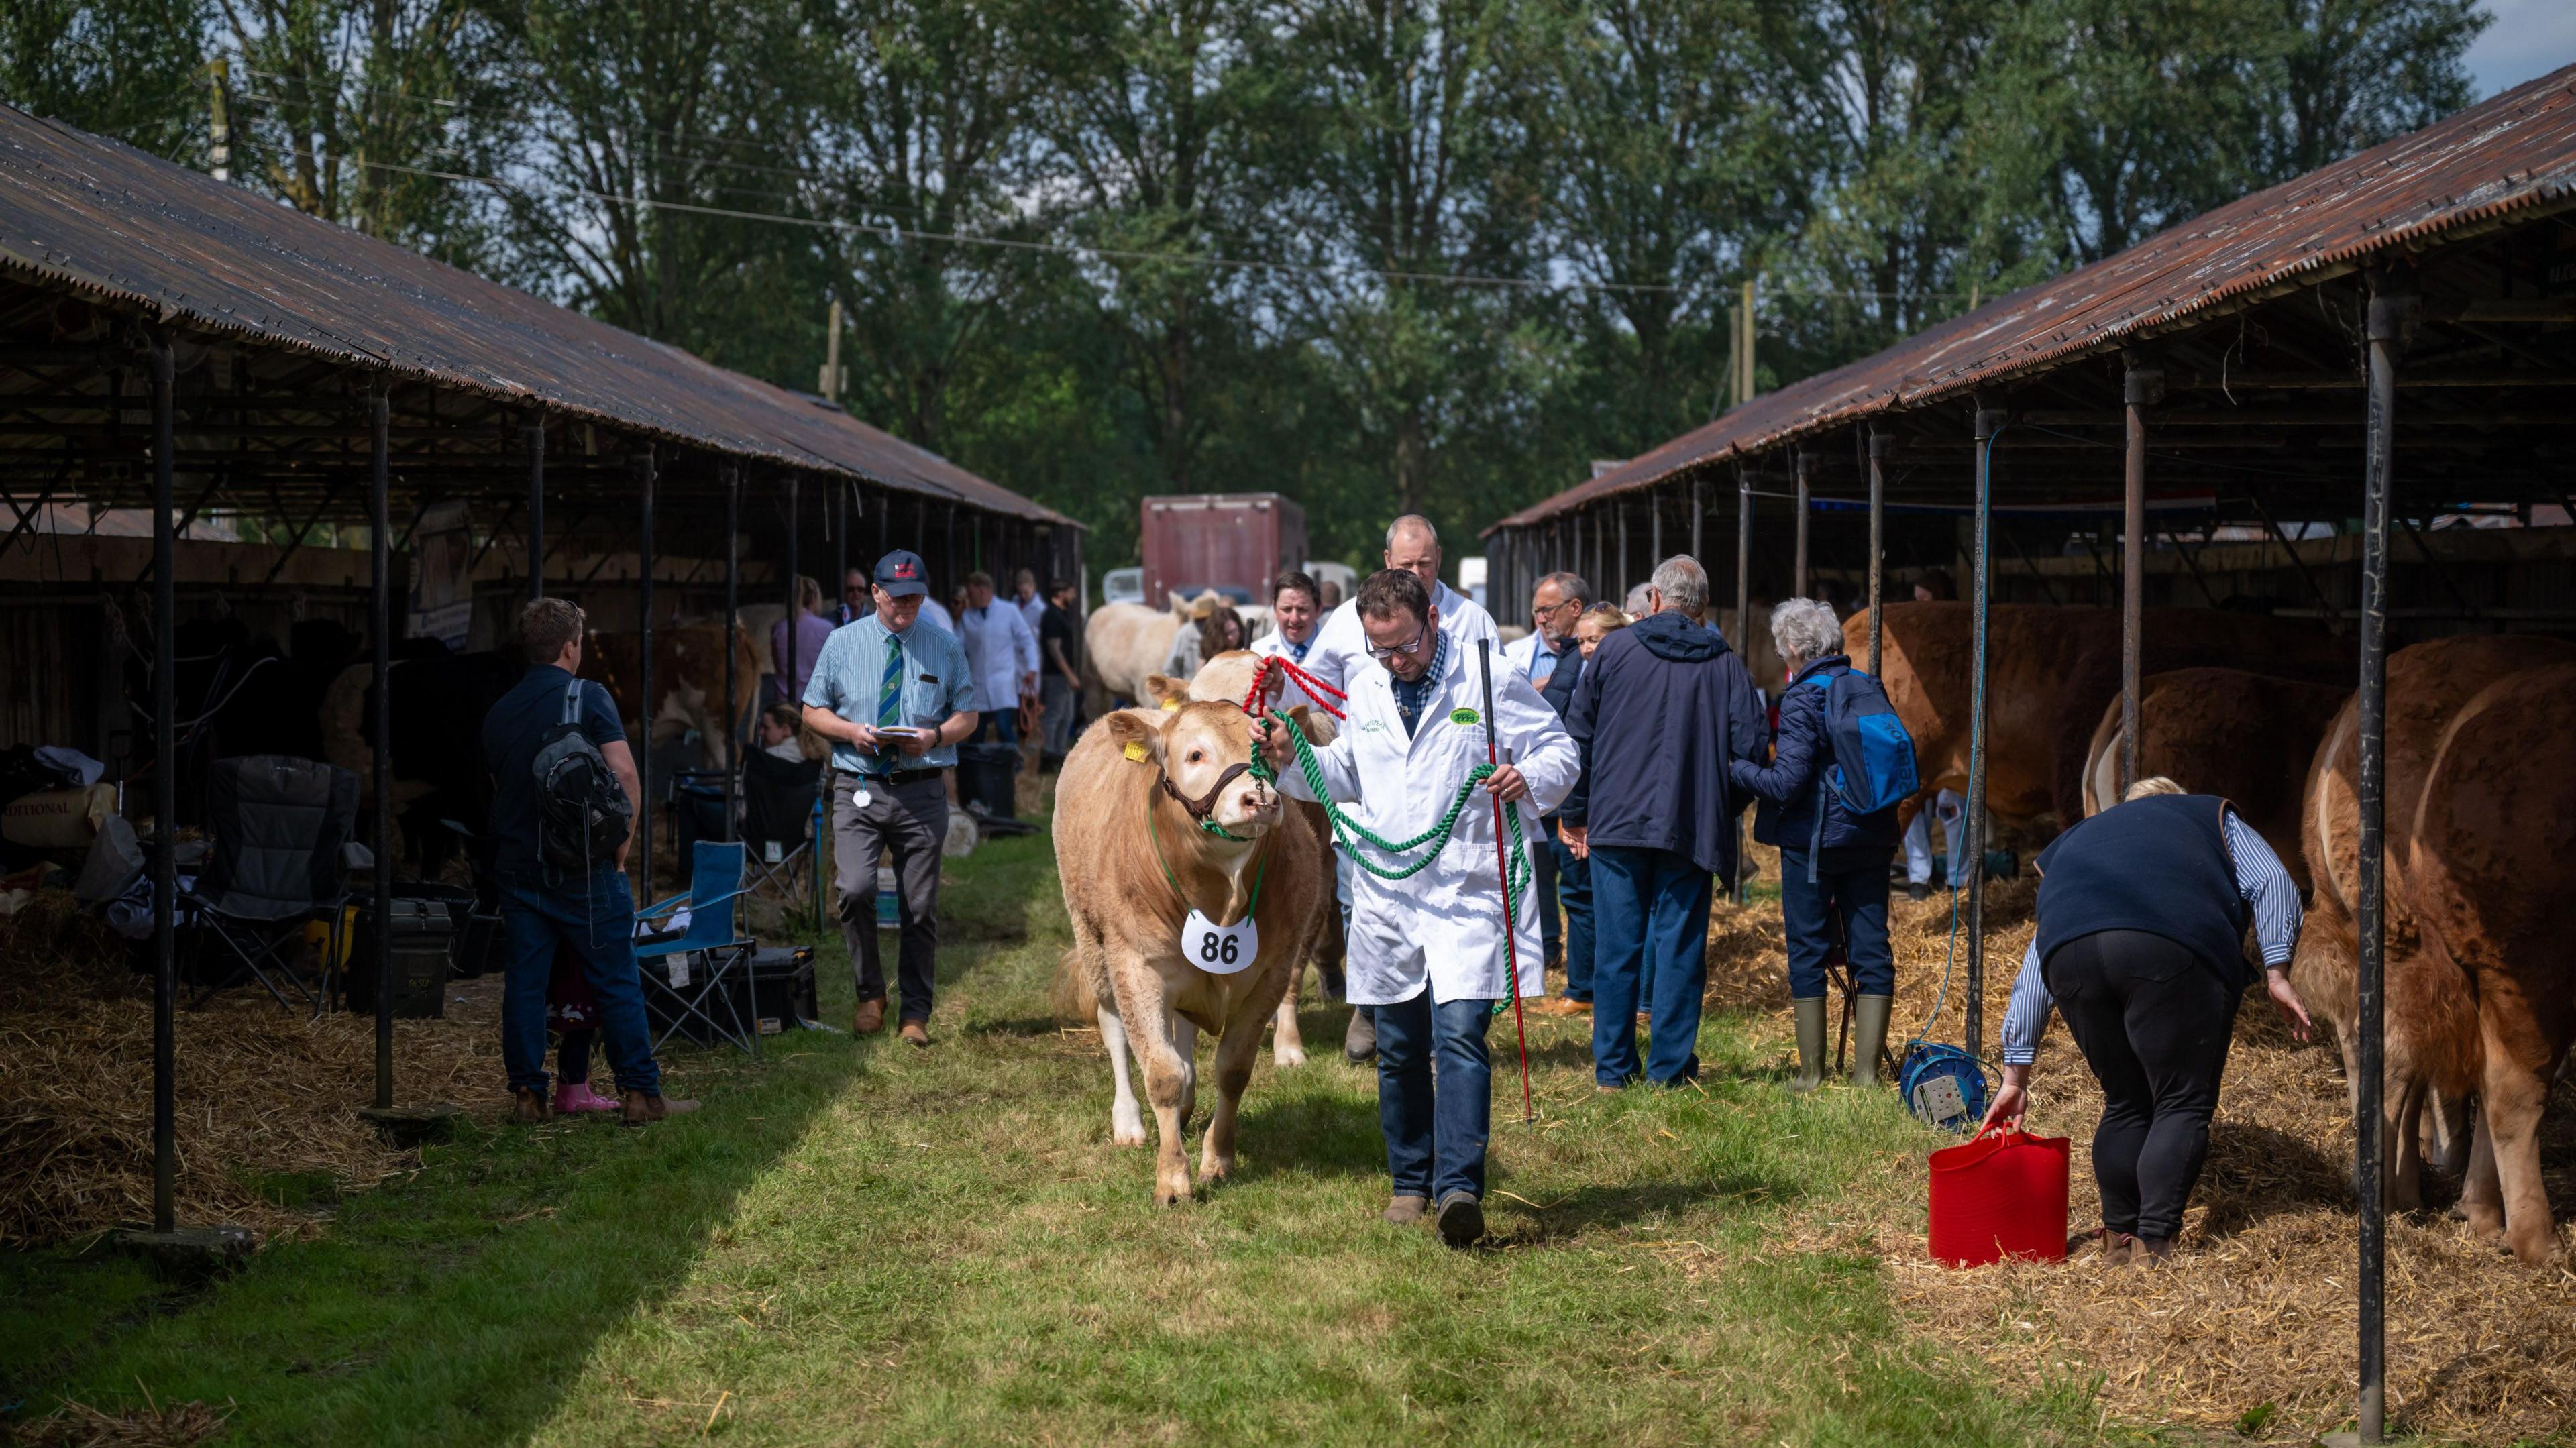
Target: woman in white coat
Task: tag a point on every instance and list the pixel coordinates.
(1435, 958)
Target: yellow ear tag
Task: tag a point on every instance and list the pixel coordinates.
(1136, 751)
(1171, 706)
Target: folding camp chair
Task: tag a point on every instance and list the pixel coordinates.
(782, 822)
(280, 856)
(690, 975)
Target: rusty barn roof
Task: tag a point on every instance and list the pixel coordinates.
(2513, 152)
(103, 219)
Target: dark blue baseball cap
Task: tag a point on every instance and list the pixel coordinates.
(902, 574)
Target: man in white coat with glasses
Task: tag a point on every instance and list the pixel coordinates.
(1428, 954)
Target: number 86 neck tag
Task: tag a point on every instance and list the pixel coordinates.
(1220, 949)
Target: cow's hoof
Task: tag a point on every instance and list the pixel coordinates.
(1171, 1191)
(1216, 1168)
(1287, 1056)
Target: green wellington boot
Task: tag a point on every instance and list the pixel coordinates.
(1869, 1036)
(1811, 1042)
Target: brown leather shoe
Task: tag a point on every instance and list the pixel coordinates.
(1560, 1006)
(916, 1033)
(1406, 1211)
(528, 1108)
(643, 1108)
(869, 1018)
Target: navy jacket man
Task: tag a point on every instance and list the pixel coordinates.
(1661, 709)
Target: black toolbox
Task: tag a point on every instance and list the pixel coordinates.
(770, 993)
(424, 934)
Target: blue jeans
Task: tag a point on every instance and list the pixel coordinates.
(1434, 1147)
(1002, 726)
(1850, 885)
(596, 920)
(1650, 940)
(1574, 892)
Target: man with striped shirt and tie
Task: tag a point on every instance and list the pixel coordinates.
(895, 700)
(2142, 917)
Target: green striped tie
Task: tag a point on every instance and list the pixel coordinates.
(890, 694)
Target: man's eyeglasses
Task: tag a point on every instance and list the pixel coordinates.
(1408, 646)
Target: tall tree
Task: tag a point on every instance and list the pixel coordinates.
(132, 69)
(2353, 73)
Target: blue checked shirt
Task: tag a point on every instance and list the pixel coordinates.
(2260, 879)
(1409, 698)
(849, 680)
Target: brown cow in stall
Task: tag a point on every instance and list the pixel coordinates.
(2246, 737)
(1135, 864)
(2478, 858)
(1227, 678)
(2050, 671)
(688, 678)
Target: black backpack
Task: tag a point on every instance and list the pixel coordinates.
(582, 811)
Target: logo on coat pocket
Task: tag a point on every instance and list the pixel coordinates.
(1463, 716)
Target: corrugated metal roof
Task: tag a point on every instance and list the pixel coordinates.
(100, 217)
(2515, 151)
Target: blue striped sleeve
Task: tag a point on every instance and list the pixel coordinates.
(2267, 888)
(2027, 1015)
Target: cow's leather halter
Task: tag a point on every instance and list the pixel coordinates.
(1201, 807)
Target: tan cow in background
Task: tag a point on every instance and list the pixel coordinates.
(2050, 671)
(1135, 863)
(688, 681)
(2243, 736)
(2479, 859)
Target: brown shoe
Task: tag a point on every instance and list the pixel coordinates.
(1406, 1211)
(2119, 1249)
(869, 1018)
(644, 1108)
(1560, 1006)
(528, 1108)
(916, 1033)
(2145, 1250)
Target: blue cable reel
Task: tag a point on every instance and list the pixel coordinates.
(1944, 1086)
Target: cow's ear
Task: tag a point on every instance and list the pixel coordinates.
(1317, 731)
(1167, 692)
(1137, 739)
(1180, 606)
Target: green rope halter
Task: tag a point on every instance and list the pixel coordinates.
(1349, 833)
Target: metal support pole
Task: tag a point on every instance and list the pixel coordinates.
(644, 478)
(2391, 319)
(2143, 387)
(535, 433)
(380, 610)
(1973, 843)
(1879, 446)
(1699, 514)
(1806, 465)
(1743, 621)
(733, 640)
(795, 550)
(165, 792)
(840, 539)
(1619, 512)
(1655, 525)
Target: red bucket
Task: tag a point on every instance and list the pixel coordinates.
(1999, 1195)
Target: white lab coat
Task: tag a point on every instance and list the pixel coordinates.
(1341, 653)
(1292, 693)
(1001, 652)
(1442, 927)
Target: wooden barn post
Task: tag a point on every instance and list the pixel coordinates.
(1805, 463)
(732, 638)
(535, 435)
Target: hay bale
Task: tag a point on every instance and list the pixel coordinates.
(2258, 1308)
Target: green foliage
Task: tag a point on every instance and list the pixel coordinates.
(1376, 254)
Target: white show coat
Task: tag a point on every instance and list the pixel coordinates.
(1341, 654)
(1292, 693)
(1442, 927)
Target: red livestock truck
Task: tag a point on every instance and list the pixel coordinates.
(1235, 543)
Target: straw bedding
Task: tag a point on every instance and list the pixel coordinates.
(266, 1097)
(2258, 1308)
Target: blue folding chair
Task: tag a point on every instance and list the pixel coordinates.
(712, 953)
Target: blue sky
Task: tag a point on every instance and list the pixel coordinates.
(2529, 38)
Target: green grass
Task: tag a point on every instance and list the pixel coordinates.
(859, 1241)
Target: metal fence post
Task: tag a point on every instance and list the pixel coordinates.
(1989, 423)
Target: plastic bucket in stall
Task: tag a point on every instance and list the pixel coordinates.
(1999, 1194)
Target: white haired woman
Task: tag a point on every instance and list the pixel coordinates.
(1833, 862)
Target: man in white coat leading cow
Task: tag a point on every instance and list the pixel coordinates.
(1341, 653)
(1428, 954)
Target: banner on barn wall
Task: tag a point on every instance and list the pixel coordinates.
(442, 590)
